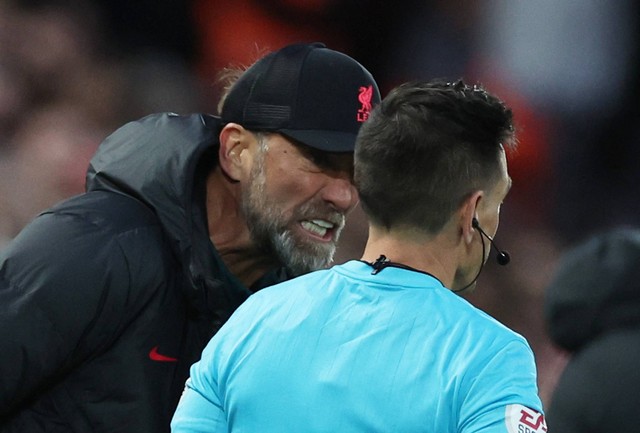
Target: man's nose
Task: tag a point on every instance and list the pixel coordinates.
(341, 193)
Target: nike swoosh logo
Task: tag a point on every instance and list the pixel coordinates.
(155, 356)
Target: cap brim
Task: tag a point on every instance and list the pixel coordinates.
(329, 141)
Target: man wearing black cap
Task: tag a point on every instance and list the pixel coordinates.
(108, 298)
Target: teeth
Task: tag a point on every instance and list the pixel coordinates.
(323, 223)
(318, 227)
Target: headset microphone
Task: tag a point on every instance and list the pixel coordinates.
(503, 258)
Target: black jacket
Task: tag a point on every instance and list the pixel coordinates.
(593, 311)
(108, 298)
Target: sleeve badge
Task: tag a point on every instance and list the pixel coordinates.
(521, 419)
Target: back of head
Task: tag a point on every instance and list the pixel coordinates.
(307, 92)
(426, 148)
(595, 289)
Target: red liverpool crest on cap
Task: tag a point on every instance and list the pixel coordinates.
(365, 99)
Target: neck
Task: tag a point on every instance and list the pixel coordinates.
(229, 233)
(416, 250)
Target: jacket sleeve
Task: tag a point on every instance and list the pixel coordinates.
(56, 306)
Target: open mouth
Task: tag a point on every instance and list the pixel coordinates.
(320, 228)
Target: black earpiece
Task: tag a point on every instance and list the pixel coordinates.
(503, 258)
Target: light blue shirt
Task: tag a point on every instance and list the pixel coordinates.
(343, 350)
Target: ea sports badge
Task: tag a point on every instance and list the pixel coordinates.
(521, 419)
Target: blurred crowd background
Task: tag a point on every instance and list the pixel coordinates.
(72, 71)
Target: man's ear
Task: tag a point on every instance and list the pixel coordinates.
(233, 155)
(469, 212)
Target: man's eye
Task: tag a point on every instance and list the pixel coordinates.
(321, 160)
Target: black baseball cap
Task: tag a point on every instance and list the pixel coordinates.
(307, 92)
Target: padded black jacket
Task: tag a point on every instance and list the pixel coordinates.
(108, 298)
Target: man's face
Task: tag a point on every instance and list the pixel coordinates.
(488, 215)
(489, 210)
(296, 202)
